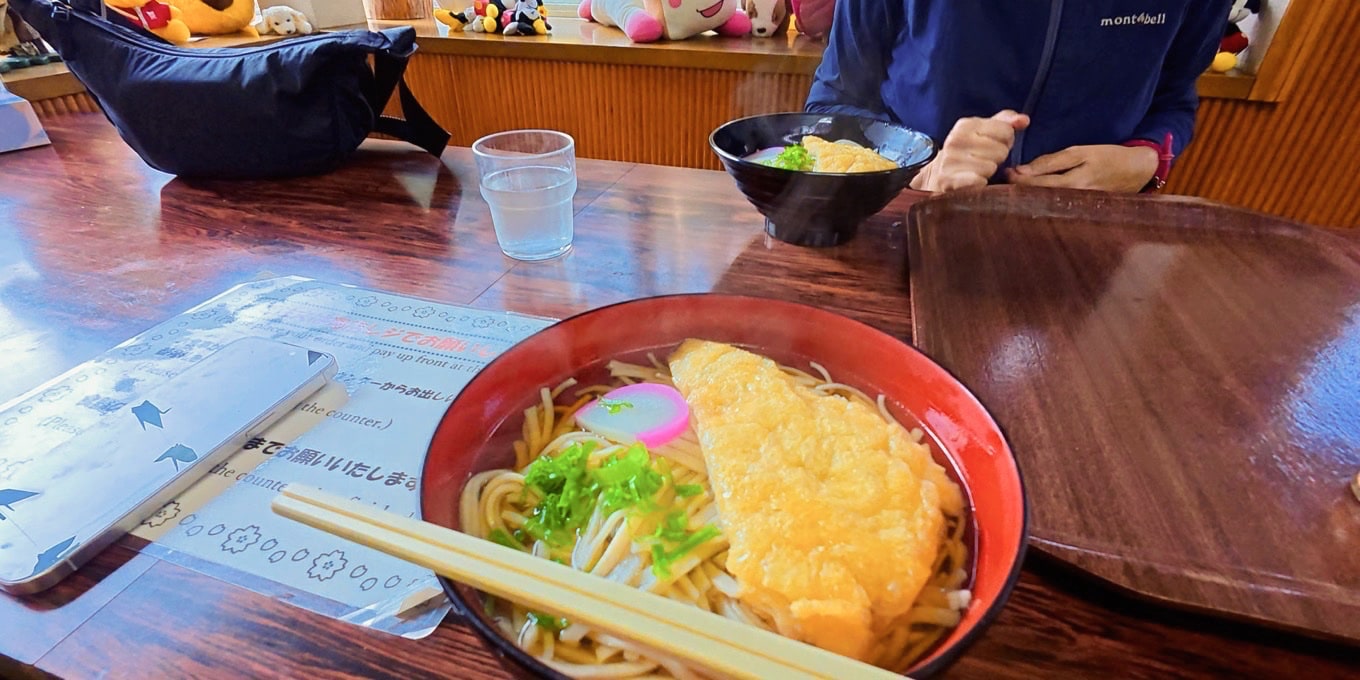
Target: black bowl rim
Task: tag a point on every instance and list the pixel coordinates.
(731, 160)
(539, 669)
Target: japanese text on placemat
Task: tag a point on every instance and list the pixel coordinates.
(406, 336)
(336, 464)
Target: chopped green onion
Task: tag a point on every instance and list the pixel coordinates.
(628, 481)
(499, 536)
(662, 558)
(613, 406)
(695, 540)
(661, 563)
(618, 470)
(672, 528)
(792, 158)
(688, 490)
(570, 489)
(550, 474)
(568, 494)
(547, 622)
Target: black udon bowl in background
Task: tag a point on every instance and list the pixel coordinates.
(818, 209)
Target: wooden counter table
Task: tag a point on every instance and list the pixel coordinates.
(96, 247)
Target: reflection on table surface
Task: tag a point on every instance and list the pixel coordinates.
(95, 247)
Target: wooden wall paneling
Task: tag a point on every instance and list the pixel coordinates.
(1290, 49)
(640, 114)
(64, 104)
(1294, 157)
(399, 9)
(1298, 157)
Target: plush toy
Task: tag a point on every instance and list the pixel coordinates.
(218, 17)
(454, 19)
(484, 16)
(651, 20)
(20, 45)
(527, 17)
(1234, 41)
(469, 19)
(768, 17)
(460, 20)
(812, 18)
(166, 21)
(9, 29)
(283, 20)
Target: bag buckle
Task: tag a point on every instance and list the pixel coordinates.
(61, 12)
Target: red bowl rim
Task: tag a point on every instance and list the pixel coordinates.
(941, 660)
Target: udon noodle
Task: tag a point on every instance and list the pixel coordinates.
(814, 154)
(623, 544)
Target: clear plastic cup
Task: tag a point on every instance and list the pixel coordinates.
(528, 177)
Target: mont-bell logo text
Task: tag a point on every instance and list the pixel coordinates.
(1142, 19)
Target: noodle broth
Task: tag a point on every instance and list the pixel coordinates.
(541, 642)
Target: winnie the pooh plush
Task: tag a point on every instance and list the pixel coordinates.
(166, 21)
(651, 20)
(218, 17)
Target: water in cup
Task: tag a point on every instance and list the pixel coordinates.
(531, 210)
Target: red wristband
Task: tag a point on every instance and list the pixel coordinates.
(1164, 158)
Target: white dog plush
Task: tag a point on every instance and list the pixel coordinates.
(283, 20)
(769, 18)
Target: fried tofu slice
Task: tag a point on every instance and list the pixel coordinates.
(834, 515)
(839, 157)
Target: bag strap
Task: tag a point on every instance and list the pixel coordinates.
(418, 128)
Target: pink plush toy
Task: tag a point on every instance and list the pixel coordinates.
(813, 17)
(650, 20)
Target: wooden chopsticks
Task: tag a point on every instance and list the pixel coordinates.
(680, 630)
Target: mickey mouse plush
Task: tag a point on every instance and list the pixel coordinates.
(480, 17)
(1234, 41)
(527, 17)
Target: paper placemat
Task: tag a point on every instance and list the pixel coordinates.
(401, 361)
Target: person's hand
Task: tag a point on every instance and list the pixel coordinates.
(972, 152)
(1104, 167)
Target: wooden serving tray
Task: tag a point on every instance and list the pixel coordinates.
(1180, 382)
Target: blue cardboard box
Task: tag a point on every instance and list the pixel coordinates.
(19, 126)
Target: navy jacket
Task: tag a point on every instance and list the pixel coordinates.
(1086, 71)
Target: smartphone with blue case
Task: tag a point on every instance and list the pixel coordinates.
(69, 503)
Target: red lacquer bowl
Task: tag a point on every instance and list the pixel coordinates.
(477, 430)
